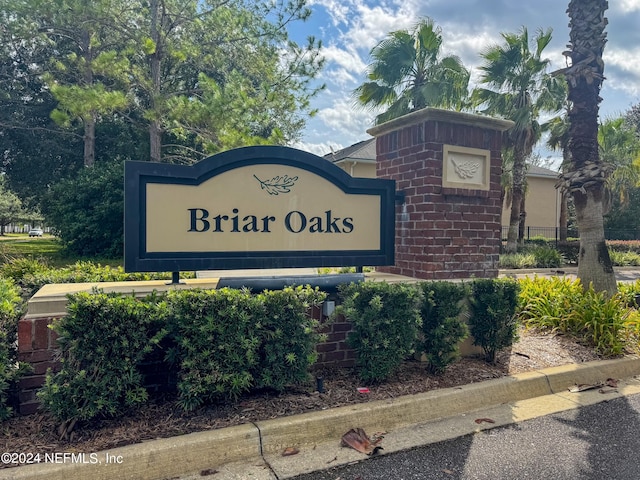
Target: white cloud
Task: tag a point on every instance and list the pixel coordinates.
(338, 10)
(342, 116)
(319, 149)
(628, 5)
(621, 60)
(346, 58)
(372, 24)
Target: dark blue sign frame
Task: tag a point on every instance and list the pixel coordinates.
(140, 174)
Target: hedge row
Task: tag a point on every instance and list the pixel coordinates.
(222, 343)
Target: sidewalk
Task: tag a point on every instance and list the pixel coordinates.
(254, 451)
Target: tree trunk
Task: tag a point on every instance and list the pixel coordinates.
(517, 195)
(89, 122)
(586, 179)
(594, 265)
(155, 128)
(523, 221)
(564, 216)
(89, 142)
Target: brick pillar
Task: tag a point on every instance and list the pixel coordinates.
(36, 345)
(448, 166)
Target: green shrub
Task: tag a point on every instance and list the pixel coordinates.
(10, 370)
(624, 259)
(493, 321)
(569, 250)
(547, 257)
(84, 272)
(86, 211)
(602, 321)
(517, 260)
(385, 322)
(288, 336)
(628, 292)
(538, 240)
(102, 341)
(217, 343)
(443, 327)
(561, 305)
(19, 267)
(545, 302)
(228, 341)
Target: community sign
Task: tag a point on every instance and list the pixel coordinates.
(255, 207)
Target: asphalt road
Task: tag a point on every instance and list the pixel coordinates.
(599, 442)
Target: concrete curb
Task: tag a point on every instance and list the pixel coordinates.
(251, 443)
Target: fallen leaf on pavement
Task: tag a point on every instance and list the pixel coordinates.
(447, 471)
(583, 387)
(357, 439)
(290, 451)
(484, 420)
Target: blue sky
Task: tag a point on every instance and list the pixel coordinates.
(350, 28)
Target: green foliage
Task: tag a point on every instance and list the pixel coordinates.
(624, 259)
(569, 251)
(228, 341)
(20, 267)
(10, 206)
(538, 256)
(517, 260)
(547, 257)
(10, 370)
(545, 302)
(288, 336)
(443, 326)
(603, 321)
(86, 212)
(217, 342)
(31, 275)
(408, 73)
(561, 305)
(493, 321)
(102, 340)
(386, 322)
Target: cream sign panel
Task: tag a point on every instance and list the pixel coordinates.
(261, 207)
(255, 207)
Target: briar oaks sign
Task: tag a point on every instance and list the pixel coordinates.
(255, 207)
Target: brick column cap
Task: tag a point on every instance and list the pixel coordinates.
(441, 115)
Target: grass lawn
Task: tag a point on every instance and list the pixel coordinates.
(46, 248)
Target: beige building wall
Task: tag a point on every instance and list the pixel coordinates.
(358, 169)
(542, 203)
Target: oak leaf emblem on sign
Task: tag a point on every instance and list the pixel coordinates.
(278, 184)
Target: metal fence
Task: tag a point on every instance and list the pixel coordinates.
(553, 233)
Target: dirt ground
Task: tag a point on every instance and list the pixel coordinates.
(163, 418)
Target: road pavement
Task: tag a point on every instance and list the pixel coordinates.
(595, 442)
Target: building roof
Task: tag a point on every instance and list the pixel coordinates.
(364, 151)
(535, 171)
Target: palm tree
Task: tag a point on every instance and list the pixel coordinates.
(588, 174)
(519, 89)
(408, 74)
(620, 148)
